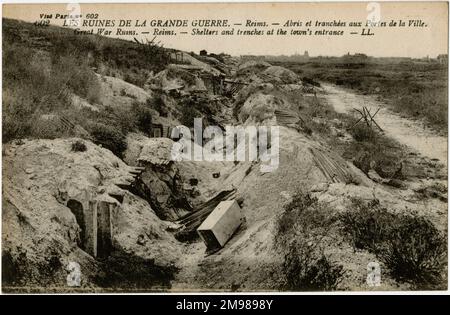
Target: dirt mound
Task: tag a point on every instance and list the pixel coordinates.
(260, 72)
(280, 75)
(252, 88)
(259, 107)
(49, 190)
(116, 92)
(176, 78)
(254, 64)
(203, 65)
(273, 88)
(249, 71)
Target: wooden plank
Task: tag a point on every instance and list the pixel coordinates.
(373, 120)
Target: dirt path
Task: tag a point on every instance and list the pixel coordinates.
(408, 132)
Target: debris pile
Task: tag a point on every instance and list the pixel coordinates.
(280, 75)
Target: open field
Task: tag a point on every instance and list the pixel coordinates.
(414, 89)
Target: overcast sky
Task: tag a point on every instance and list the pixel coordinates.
(398, 41)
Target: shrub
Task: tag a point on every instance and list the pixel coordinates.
(122, 118)
(363, 133)
(411, 247)
(300, 202)
(138, 79)
(19, 270)
(79, 146)
(13, 128)
(297, 215)
(81, 80)
(416, 252)
(157, 104)
(303, 215)
(109, 137)
(366, 227)
(142, 117)
(382, 154)
(299, 234)
(187, 116)
(304, 271)
(311, 81)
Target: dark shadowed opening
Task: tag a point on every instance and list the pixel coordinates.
(77, 209)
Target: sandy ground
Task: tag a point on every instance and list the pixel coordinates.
(411, 133)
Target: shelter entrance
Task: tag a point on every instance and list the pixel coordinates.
(77, 209)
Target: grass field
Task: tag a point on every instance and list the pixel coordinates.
(414, 89)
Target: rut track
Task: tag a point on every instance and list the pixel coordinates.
(409, 132)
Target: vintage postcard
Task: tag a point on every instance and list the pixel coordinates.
(224, 147)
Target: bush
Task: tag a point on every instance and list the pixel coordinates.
(138, 79)
(304, 214)
(109, 138)
(376, 152)
(187, 116)
(416, 252)
(310, 81)
(366, 227)
(304, 271)
(363, 133)
(411, 247)
(13, 128)
(157, 104)
(142, 117)
(78, 146)
(79, 77)
(299, 234)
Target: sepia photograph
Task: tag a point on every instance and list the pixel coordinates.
(224, 148)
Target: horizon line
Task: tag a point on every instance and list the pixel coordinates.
(234, 55)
